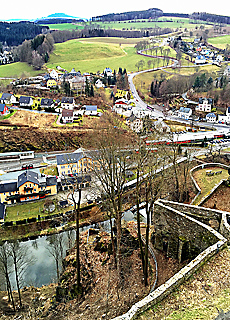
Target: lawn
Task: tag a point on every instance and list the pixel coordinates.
(207, 183)
(18, 69)
(89, 56)
(220, 42)
(25, 210)
(169, 22)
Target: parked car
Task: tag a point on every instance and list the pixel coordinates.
(27, 166)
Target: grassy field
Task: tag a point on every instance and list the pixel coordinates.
(207, 183)
(24, 211)
(95, 55)
(220, 42)
(174, 23)
(17, 69)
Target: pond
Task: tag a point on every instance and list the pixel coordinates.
(42, 270)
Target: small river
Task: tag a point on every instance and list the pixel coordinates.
(42, 270)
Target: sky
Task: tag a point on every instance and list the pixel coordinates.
(26, 9)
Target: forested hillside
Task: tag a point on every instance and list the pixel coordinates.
(144, 14)
(14, 33)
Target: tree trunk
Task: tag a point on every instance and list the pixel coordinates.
(17, 282)
(112, 239)
(78, 241)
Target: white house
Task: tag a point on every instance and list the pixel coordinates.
(67, 103)
(200, 60)
(225, 118)
(134, 123)
(67, 116)
(109, 72)
(90, 110)
(211, 117)
(99, 84)
(54, 75)
(8, 98)
(205, 105)
(121, 103)
(184, 113)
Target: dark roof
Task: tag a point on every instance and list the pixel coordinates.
(47, 102)
(67, 113)
(51, 181)
(2, 106)
(24, 99)
(8, 186)
(132, 118)
(67, 100)
(6, 96)
(69, 158)
(29, 176)
(2, 211)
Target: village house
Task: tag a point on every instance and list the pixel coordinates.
(135, 124)
(90, 110)
(76, 163)
(51, 83)
(54, 75)
(121, 103)
(184, 113)
(8, 98)
(29, 186)
(205, 105)
(67, 103)
(25, 101)
(67, 116)
(225, 118)
(99, 84)
(108, 71)
(210, 117)
(47, 103)
(77, 84)
(3, 109)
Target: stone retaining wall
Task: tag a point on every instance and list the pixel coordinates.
(221, 165)
(161, 292)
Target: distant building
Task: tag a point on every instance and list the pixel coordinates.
(211, 117)
(75, 163)
(184, 113)
(67, 103)
(135, 124)
(67, 116)
(25, 101)
(205, 105)
(29, 186)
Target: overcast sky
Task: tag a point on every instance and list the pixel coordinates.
(27, 9)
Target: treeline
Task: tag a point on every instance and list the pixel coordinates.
(88, 32)
(36, 51)
(209, 17)
(144, 14)
(177, 15)
(58, 20)
(14, 33)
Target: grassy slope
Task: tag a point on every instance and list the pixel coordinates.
(93, 56)
(200, 296)
(134, 25)
(220, 42)
(17, 69)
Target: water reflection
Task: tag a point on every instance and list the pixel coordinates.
(43, 270)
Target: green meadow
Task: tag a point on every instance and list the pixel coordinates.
(94, 55)
(17, 70)
(220, 42)
(170, 22)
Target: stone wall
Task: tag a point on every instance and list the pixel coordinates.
(198, 190)
(174, 233)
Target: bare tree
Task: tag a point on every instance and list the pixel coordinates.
(55, 248)
(22, 258)
(112, 159)
(6, 270)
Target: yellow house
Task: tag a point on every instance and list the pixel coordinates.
(51, 83)
(27, 187)
(75, 163)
